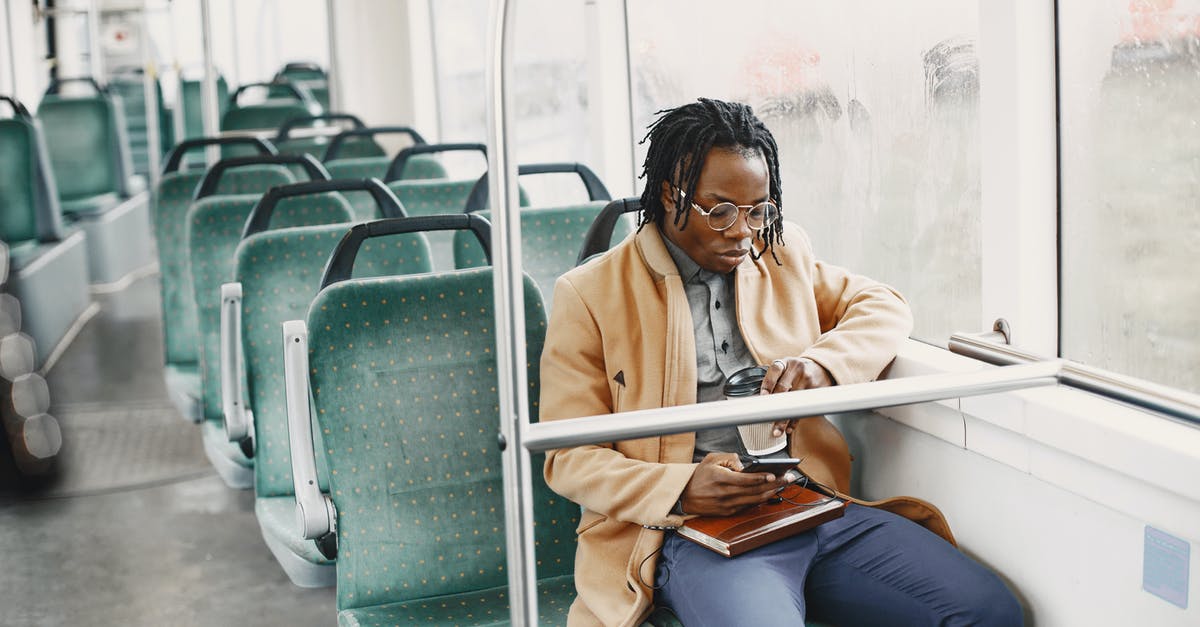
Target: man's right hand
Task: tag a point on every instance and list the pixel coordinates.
(719, 488)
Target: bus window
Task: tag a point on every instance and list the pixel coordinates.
(874, 107)
(1129, 74)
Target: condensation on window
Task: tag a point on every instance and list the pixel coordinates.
(874, 107)
(550, 78)
(1129, 73)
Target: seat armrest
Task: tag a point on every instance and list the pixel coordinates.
(315, 511)
(233, 368)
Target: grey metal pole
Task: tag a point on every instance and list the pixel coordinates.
(510, 321)
(235, 71)
(95, 63)
(11, 87)
(333, 74)
(208, 87)
(832, 400)
(150, 98)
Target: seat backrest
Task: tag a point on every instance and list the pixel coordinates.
(214, 229)
(18, 176)
(84, 143)
(433, 197)
(27, 186)
(606, 230)
(280, 271)
(293, 102)
(265, 115)
(172, 200)
(191, 101)
(403, 373)
(550, 242)
(129, 85)
(291, 142)
(421, 167)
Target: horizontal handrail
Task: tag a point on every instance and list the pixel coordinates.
(544, 436)
(1118, 387)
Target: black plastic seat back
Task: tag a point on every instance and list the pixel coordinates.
(599, 235)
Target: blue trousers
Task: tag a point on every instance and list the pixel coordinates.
(869, 567)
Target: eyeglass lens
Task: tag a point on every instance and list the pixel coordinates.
(723, 215)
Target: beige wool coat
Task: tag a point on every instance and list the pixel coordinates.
(620, 338)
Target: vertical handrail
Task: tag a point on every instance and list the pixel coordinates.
(150, 100)
(12, 59)
(334, 72)
(210, 115)
(95, 63)
(510, 322)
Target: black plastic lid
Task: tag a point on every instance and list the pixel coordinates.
(745, 382)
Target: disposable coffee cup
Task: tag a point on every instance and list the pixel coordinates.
(757, 438)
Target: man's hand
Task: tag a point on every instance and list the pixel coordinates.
(718, 488)
(793, 373)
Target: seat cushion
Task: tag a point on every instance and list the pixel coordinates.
(277, 519)
(213, 432)
(90, 204)
(486, 607)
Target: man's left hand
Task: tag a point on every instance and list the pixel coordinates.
(793, 373)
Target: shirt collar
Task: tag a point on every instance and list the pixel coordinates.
(688, 269)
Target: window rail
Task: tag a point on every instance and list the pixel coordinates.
(831, 400)
(1136, 392)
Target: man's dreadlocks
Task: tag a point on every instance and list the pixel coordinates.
(679, 142)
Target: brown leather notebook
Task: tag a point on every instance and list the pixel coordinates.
(800, 510)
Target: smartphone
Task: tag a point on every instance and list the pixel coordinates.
(774, 465)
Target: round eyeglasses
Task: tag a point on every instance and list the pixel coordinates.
(724, 214)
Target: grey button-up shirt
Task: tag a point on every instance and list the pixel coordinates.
(720, 348)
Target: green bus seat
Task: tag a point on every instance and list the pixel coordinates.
(550, 242)
(606, 230)
(271, 113)
(278, 274)
(89, 152)
(128, 84)
(214, 229)
(360, 142)
(192, 106)
(47, 267)
(550, 236)
(404, 390)
(376, 167)
(170, 203)
(292, 143)
(88, 148)
(308, 75)
(438, 197)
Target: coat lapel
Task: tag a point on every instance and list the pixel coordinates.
(679, 341)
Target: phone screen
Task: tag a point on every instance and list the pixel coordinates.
(776, 466)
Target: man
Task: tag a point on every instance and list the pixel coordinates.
(714, 281)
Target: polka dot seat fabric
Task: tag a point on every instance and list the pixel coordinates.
(550, 241)
(404, 385)
(171, 201)
(213, 234)
(280, 273)
(418, 167)
(426, 198)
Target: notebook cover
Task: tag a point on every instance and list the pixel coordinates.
(763, 524)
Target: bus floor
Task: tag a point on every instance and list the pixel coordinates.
(132, 526)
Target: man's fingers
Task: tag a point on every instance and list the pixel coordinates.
(771, 378)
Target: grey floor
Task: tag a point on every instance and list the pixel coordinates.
(134, 527)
